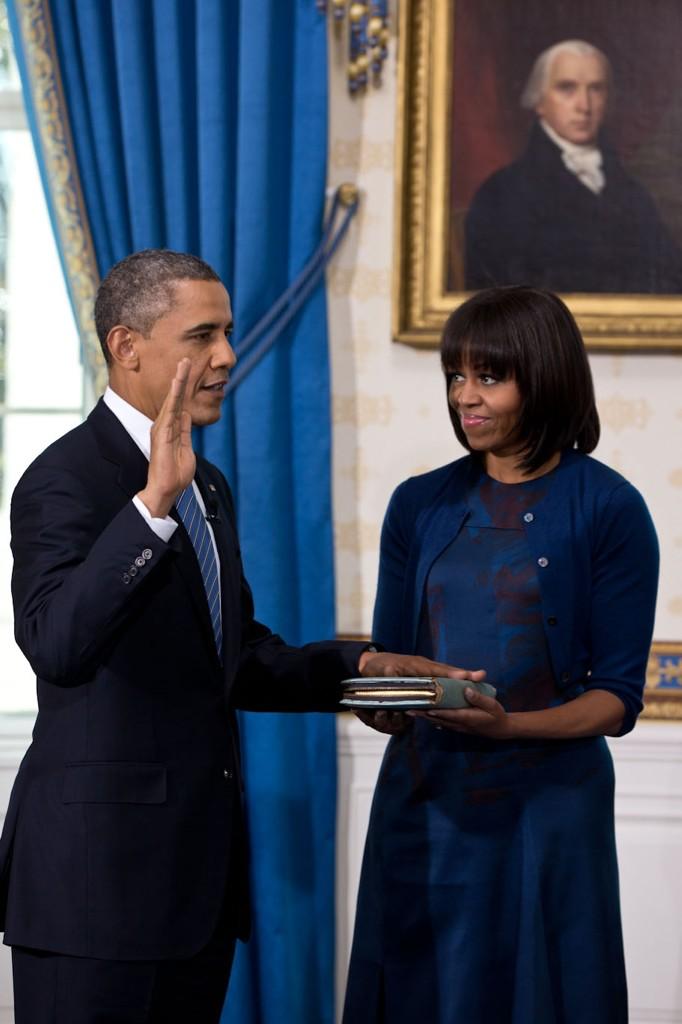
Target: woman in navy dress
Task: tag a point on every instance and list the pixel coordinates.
(489, 889)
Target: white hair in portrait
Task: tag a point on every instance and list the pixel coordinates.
(538, 78)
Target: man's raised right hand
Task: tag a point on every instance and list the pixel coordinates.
(172, 462)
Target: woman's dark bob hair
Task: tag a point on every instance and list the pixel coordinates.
(527, 334)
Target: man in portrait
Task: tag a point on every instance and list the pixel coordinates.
(566, 215)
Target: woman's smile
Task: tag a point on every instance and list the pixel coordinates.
(470, 422)
(488, 407)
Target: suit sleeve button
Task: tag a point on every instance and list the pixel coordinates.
(543, 562)
(140, 562)
(132, 571)
(147, 554)
(125, 577)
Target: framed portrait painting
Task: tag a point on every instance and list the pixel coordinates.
(540, 142)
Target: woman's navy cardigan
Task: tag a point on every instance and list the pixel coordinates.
(596, 552)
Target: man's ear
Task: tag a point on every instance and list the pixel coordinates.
(122, 345)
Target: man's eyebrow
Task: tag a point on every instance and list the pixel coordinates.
(561, 82)
(209, 325)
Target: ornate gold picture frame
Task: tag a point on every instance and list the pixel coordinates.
(663, 692)
(426, 224)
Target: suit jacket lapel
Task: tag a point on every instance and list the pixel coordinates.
(118, 447)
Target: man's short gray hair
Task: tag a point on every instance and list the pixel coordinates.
(539, 76)
(140, 289)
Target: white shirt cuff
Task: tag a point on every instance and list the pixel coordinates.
(163, 528)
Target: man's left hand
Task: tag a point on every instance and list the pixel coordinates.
(384, 663)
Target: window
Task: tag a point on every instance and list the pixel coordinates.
(41, 375)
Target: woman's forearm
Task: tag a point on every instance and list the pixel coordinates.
(593, 713)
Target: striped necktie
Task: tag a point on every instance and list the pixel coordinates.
(193, 519)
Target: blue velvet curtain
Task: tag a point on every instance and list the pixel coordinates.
(201, 125)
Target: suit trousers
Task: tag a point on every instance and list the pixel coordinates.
(50, 988)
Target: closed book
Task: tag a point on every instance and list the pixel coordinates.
(408, 693)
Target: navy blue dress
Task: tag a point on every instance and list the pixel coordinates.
(489, 891)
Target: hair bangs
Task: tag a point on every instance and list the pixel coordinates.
(528, 335)
(482, 341)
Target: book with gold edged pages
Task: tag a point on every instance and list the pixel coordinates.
(410, 693)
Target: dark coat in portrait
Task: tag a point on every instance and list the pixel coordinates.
(534, 222)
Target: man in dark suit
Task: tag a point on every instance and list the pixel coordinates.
(567, 215)
(122, 860)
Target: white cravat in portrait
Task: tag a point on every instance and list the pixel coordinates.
(583, 161)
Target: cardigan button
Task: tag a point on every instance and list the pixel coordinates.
(528, 517)
(543, 562)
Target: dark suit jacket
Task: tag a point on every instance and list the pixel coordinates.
(533, 222)
(126, 812)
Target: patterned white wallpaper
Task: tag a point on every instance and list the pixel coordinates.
(389, 410)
